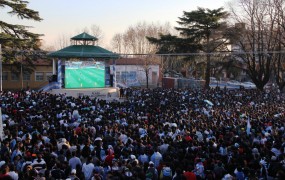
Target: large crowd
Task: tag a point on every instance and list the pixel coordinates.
(153, 134)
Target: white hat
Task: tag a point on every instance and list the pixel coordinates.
(132, 157)
(128, 173)
(62, 140)
(273, 158)
(150, 162)
(227, 177)
(73, 171)
(262, 162)
(266, 134)
(255, 150)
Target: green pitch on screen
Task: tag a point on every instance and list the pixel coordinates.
(88, 77)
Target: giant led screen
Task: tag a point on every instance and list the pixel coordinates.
(84, 74)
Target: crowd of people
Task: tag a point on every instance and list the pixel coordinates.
(153, 134)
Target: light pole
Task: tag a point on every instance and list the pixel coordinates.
(22, 76)
(21, 67)
(0, 68)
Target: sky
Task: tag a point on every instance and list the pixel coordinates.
(68, 17)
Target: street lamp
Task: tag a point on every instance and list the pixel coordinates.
(0, 68)
(22, 76)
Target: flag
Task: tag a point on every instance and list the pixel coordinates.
(248, 126)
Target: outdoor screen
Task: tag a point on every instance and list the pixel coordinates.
(84, 74)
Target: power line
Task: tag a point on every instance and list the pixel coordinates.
(160, 54)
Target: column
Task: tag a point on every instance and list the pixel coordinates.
(59, 73)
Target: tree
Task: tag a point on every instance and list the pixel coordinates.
(14, 37)
(167, 43)
(133, 40)
(279, 63)
(96, 31)
(62, 41)
(256, 38)
(205, 27)
(149, 60)
(146, 69)
(117, 41)
(201, 30)
(172, 44)
(93, 30)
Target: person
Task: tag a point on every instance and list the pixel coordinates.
(188, 174)
(121, 92)
(263, 172)
(86, 151)
(96, 175)
(178, 175)
(39, 163)
(156, 158)
(199, 169)
(239, 173)
(12, 172)
(166, 172)
(74, 161)
(5, 172)
(143, 157)
(152, 126)
(87, 168)
(219, 170)
(151, 173)
(57, 172)
(5, 150)
(72, 175)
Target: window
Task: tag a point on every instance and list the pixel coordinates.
(5, 76)
(124, 75)
(118, 76)
(15, 76)
(39, 76)
(132, 75)
(26, 76)
(48, 76)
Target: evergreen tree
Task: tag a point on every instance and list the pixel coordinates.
(201, 30)
(16, 40)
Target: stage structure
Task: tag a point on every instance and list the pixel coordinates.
(83, 67)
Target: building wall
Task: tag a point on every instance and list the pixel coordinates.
(38, 78)
(129, 75)
(134, 75)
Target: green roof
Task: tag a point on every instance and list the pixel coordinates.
(84, 36)
(83, 51)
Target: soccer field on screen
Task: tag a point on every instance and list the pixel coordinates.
(85, 77)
